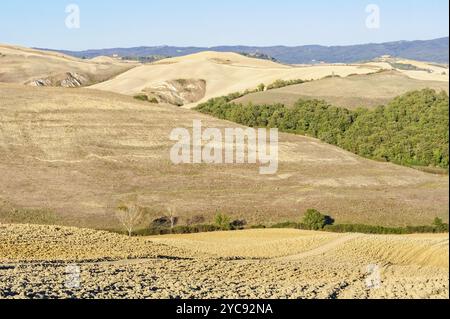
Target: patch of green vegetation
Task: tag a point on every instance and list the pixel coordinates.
(141, 97)
(368, 229)
(161, 226)
(259, 226)
(331, 76)
(192, 229)
(144, 59)
(223, 221)
(440, 225)
(261, 87)
(312, 220)
(282, 83)
(145, 98)
(338, 228)
(406, 67)
(411, 130)
(258, 55)
(289, 225)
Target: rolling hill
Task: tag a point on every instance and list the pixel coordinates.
(43, 68)
(351, 92)
(69, 156)
(224, 73)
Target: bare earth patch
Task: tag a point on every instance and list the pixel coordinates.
(338, 271)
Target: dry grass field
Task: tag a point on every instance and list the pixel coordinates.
(70, 156)
(418, 70)
(252, 244)
(426, 71)
(351, 92)
(320, 266)
(224, 73)
(34, 67)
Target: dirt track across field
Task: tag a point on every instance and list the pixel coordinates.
(103, 265)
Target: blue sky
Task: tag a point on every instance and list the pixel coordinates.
(118, 23)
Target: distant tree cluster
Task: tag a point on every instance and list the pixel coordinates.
(144, 59)
(407, 67)
(258, 55)
(282, 83)
(411, 130)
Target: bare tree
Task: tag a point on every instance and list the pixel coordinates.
(172, 217)
(129, 216)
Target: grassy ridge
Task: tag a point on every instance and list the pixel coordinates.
(412, 130)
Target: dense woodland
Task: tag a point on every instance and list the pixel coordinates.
(411, 130)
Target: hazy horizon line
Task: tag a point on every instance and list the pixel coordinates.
(232, 45)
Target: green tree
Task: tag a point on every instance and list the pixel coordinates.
(223, 221)
(314, 220)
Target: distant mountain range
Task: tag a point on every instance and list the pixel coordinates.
(436, 50)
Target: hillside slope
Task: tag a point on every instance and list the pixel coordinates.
(68, 156)
(224, 73)
(43, 68)
(350, 92)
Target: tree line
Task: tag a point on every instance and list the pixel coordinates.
(411, 130)
(131, 217)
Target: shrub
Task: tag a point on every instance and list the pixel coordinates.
(145, 98)
(282, 83)
(261, 87)
(205, 228)
(364, 229)
(238, 224)
(286, 225)
(162, 222)
(370, 229)
(182, 230)
(141, 97)
(153, 231)
(340, 228)
(223, 221)
(440, 225)
(259, 226)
